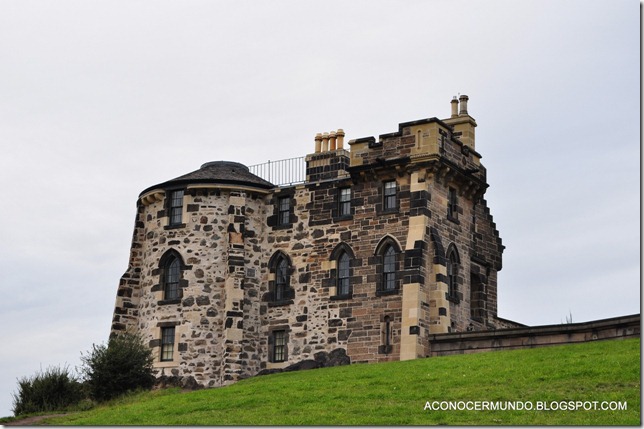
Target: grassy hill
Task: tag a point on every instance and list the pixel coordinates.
(396, 393)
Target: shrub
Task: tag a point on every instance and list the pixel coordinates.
(123, 365)
(52, 390)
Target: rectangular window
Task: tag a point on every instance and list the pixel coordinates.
(176, 207)
(279, 346)
(390, 195)
(344, 208)
(389, 270)
(451, 203)
(167, 344)
(284, 209)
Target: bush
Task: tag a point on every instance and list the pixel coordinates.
(125, 364)
(52, 390)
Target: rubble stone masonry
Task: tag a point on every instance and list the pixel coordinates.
(378, 249)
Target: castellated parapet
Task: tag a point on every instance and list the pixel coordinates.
(378, 248)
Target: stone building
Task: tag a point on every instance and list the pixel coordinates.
(378, 248)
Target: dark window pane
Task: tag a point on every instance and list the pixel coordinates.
(167, 343)
(451, 202)
(284, 209)
(279, 346)
(172, 277)
(345, 202)
(176, 207)
(390, 195)
(343, 275)
(389, 269)
(281, 280)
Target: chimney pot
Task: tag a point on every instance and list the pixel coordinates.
(340, 138)
(318, 142)
(325, 142)
(454, 103)
(463, 100)
(332, 140)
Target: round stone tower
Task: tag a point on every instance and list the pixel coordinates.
(194, 276)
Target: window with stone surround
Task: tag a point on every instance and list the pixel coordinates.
(341, 275)
(452, 204)
(175, 208)
(280, 290)
(389, 269)
(167, 344)
(171, 281)
(278, 345)
(344, 202)
(387, 265)
(284, 211)
(344, 278)
(386, 335)
(171, 277)
(453, 261)
(281, 280)
(389, 192)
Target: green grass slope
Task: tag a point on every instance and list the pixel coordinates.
(552, 378)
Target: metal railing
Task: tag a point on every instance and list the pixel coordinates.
(285, 172)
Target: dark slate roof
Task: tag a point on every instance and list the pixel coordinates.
(217, 172)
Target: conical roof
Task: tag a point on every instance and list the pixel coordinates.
(217, 172)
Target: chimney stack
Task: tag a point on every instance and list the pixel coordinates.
(325, 142)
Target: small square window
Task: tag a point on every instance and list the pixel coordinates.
(284, 211)
(167, 344)
(389, 202)
(344, 200)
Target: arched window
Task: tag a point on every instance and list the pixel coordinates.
(281, 279)
(344, 278)
(452, 272)
(341, 275)
(387, 256)
(280, 290)
(172, 275)
(171, 282)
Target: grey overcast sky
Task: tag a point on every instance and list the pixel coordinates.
(101, 99)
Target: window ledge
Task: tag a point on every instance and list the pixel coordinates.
(453, 299)
(280, 303)
(388, 211)
(341, 218)
(169, 301)
(177, 226)
(285, 226)
(340, 297)
(387, 292)
(453, 219)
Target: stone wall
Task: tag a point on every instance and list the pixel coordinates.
(535, 336)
